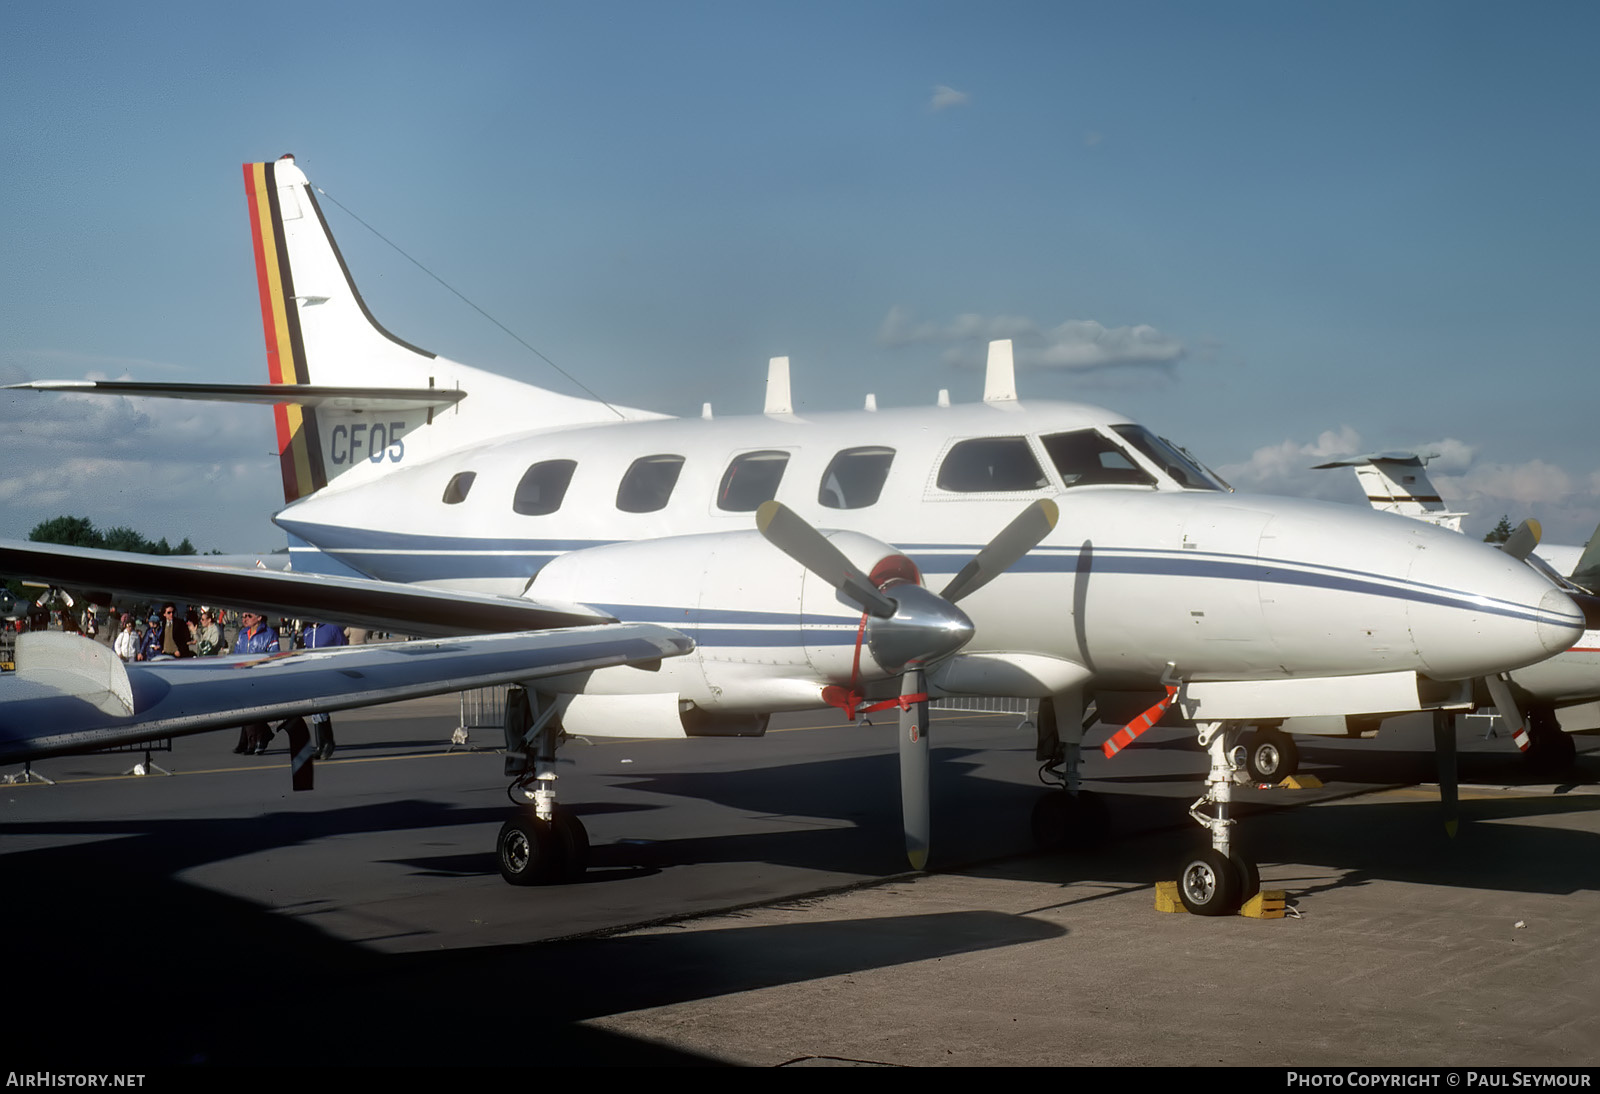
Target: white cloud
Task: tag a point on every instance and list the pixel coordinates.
(1286, 467)
(1529, 484)
(946, 97)
(1092, 139)
(162, 467)
(1078, 345)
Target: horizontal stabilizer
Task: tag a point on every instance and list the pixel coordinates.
(44, 710)
(380, 605)
(307, 395)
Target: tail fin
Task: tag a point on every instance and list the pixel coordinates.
(352, 401)
(1396, 483)
(365, 400)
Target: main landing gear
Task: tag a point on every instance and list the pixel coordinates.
(534, 851)
(1068, 815)
(1550, 749)
(1217, 880)
(543, 843)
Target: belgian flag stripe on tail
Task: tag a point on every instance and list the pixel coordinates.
(299, 450)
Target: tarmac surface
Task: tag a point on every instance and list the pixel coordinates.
(749, 905)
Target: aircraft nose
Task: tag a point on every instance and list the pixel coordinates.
(1478, 611)
(1557, 629)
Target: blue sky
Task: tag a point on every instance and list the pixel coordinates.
(1273, 232)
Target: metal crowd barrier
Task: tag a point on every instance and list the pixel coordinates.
(481, 709)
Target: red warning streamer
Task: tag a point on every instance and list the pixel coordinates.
(850, 699)
(1129, 733)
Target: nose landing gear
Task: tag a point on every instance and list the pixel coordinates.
(1217, 880)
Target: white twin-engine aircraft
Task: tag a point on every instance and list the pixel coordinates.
(1086, 554)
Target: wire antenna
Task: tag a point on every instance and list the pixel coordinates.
(464, 299)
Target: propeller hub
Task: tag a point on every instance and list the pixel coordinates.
(923, 628)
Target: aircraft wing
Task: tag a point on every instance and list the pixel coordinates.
(70, 694)
(379, 605)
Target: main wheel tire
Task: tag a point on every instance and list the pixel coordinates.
(1051, 820)
(571, 841)
(1062, 820)
(1208, 884)
(1272, 756)
(526, 851)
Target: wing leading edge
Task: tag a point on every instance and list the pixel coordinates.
(381, 605)
(70, 694)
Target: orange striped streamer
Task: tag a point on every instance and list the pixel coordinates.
(1129, 733)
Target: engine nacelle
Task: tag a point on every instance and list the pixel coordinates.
(767, 633)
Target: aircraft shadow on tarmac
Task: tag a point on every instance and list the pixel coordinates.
(125, 964)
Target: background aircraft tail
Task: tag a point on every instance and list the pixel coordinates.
(1395, 482)
(364, 401)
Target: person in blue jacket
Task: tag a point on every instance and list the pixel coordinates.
(319, 636)
(255, 637)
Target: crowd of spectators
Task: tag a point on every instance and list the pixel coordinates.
(167, 633)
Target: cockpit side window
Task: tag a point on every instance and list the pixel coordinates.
(542, 488)
(647, 485)
(1087, 457)
(855, 477)
(751, 479)
(991, 464)
(1184, 470)
(455, 491)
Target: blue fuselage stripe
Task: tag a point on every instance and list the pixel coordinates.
(407, 557)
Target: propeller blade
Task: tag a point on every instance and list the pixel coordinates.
(1523, 540)
(1002, 552)
(1506, 704)
(914, 809)
(811, 549)
(1444, 750)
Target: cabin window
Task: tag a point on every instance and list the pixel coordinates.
(542, 487)
(855, 478)
(455, 491)
(991, 464)
(1088, 457)
(648, 484)
(750, 480)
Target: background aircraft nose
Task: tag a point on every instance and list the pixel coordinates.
(1477, 611)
